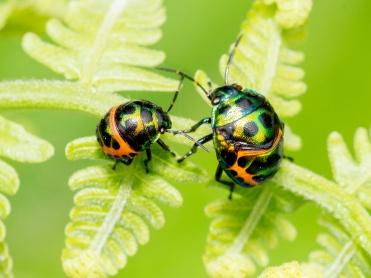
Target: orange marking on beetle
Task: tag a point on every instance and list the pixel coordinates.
(241, 173)
(125, 149)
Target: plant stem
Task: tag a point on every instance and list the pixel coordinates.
(55, 95)
(251, 222)
(341, 261)
(330, 196)
(115, 212)
(101, 40)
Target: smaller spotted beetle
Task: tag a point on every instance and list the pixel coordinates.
(132, 127)
(246, 132)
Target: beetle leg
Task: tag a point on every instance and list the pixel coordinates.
(165, 147)
(115, 165)
(148, 159)
(289, 158)
(199, 142)
(218, 178)
(203, 121)
(181, 80)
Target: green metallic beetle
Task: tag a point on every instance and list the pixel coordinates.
(246, 132)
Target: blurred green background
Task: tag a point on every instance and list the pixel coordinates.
(197, 32)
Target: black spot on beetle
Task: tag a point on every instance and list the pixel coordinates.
(266, 120)
(273, 160)
(259, 178)
(256, 166)
(141, 138)
(126, 109)
(243, 103)
(151, 130)
(242, 161)
(250, 129)
(146, 115)
(131, 125)
(230, 158)
(115, 144)
(233, 172)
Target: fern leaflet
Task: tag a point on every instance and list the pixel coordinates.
(16, 144)
(243, 229)
(341, 255)
(112, 208)
(345, 244)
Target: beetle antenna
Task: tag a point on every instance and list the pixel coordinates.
(185, 76)
(180, 132)
(181, 80)
(230, 59)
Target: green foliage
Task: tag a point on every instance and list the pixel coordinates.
(113, 207)
(16, 144)
(99, 44)
(243, 229)
(101, 47)
(346, 244)
(345, 206)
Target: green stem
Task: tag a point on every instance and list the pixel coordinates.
(55, 95)
(101, 40)
(341, 261)
(330, 196)
(251, 222)
(115, 212)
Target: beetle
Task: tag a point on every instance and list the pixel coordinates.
(246, 132)
(132, 127)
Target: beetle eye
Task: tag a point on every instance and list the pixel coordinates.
(216, 100)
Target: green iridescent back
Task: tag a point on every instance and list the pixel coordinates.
(247, 135)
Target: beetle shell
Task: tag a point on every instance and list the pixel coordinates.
(130, 128)
(247, 135)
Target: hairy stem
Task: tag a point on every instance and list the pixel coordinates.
(341, 261)
(114, 213)
(270, 66)
(55, 95)
(354, 218)
(101, 40)
(251, 222)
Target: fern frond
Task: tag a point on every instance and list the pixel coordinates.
(16, 144)
(243, 229)
(340, 256)
(263, 60)
(114, 207)
(102, 45)
(346, 199)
